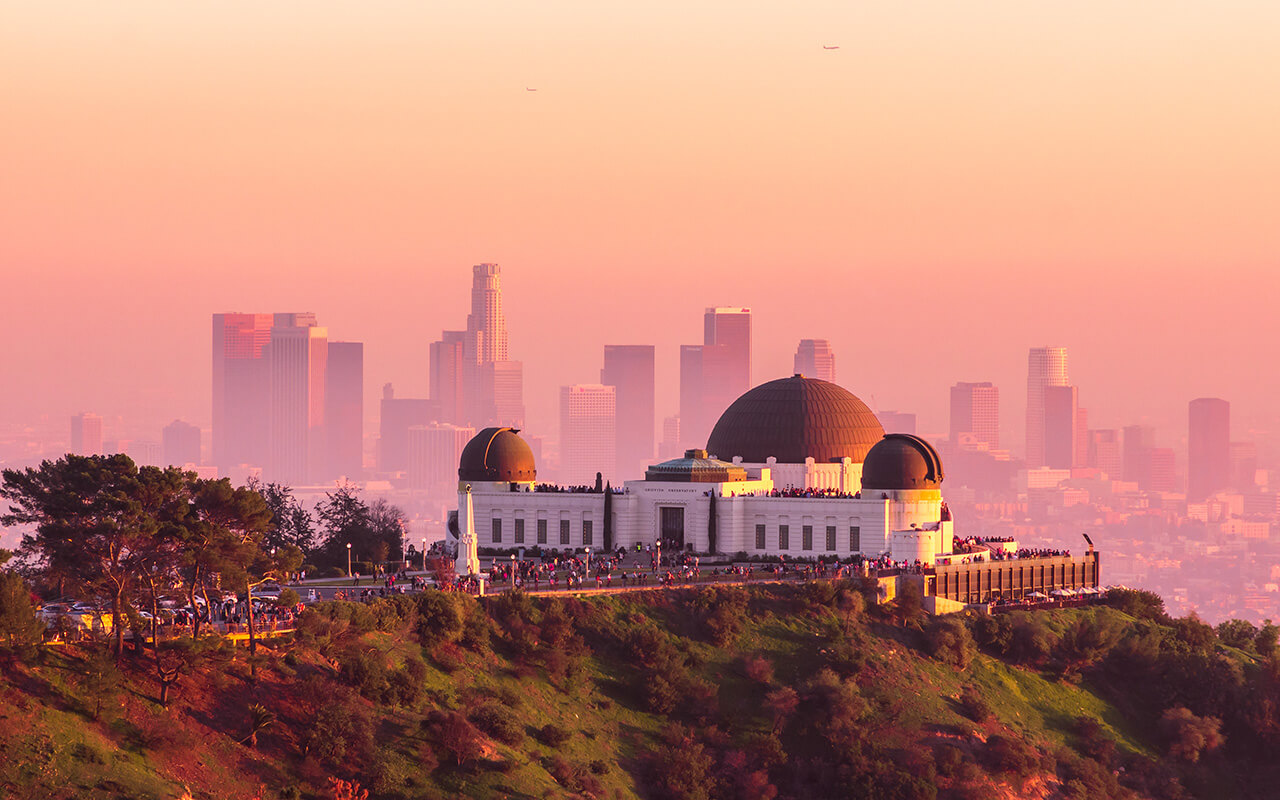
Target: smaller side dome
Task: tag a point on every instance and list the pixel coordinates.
(901, 461)
(497, 454)
(696, 467)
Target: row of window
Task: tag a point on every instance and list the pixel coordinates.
(806, 538)
(587, 532)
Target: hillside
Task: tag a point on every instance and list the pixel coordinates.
(779, 691)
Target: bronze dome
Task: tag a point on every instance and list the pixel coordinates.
(793, 419)
(901, 461)
(497, 454)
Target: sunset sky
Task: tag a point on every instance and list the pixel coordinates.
(956, 183)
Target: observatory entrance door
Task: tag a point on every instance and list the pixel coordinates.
(672, 527)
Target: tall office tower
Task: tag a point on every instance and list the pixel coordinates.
(502, 393)
(1208, 447)
(241, 390)
(588, 420)
(344, 410)
(1046, 366)
(1105, 453)
(145, 453)
(1163, 470)
(434, 452)
(396, 416)
(486, 324)
(670, 447)
(1081, 457)
(628, 368)
(1061, 412)
(715, 373)
(86, 435)
(448, 376)
(298, 357)
(1244, 466)
(1139, 442)
(814, 359)
(975, 410)
(180, 444)
(897, 421)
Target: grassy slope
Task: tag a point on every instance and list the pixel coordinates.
(49, 747)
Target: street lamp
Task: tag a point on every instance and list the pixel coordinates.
(348, 559)
(513, 572)
(424, 554)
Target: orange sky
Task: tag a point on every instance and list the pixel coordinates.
(958, 182)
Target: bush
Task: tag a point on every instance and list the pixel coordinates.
(1138, 603)
(553, 735)
(440, 617)
(288, 599)
(498, 722)
(974, 705)
(335, 572)
(949, 641)
(365, 671)
(19, 625)
(1187, 736)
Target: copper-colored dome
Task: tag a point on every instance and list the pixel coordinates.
(902, 461)
(497, 454)
(793, 419)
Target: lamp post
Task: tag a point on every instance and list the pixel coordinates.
(348, 559)
(424, 554)
(513, 572)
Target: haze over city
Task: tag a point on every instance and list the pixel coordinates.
(936, 196)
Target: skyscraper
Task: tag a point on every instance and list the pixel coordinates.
(448, 379)
(502, 393)
(975, 410)
(396, 416)
(1208, 447)
(715, 373)
(897, 421)
(433, 454)
(344, 410)
(1244, 466)
(1046, 366)
(241, 390)
(588, 418)
(86, 435)
(486, 324)
(1139, 442)
(1105, 453)
(180, 444)
(814, 359)
(1061, 414)
(629, 369)
(298, 357)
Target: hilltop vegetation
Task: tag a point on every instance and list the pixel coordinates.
(773, 691)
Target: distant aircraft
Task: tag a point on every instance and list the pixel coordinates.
(831, 47)
(527, 89)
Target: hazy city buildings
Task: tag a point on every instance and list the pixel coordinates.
(298, 357)
(1046, 366)
(1139, 443)
(433, 453)
(715, 373)
(975, 410)
(396, 416)
(1061, 414)
(588, 422)
(180, 444)
(344, 410)
(815, 359)
(447, 380)
(1208, 447)
(241, 390)
(629, 368)
(1106, 453)
(897, 421)
(86, 434)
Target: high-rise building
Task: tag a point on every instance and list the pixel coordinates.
(433, 454)
(241, 390)
(344, 410)
(502, 393)
(1061, 413)
(1163, 470)
(86, 435)
(180, 444)
(975, 410)
(715, 373)
(1082, 437)
(396, 416)
(629, 369)
(1105, 452)
(1208, 447)
(1244, 466)
(588, 419)
(897, 421)
(448, 378)
(814, 359)
(1139, 442)
(298, 357)
(671, 444)
(1046, 366)
(486, 324)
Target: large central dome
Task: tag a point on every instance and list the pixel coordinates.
(793, 419)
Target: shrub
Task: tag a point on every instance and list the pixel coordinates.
(440, 618)
(1138, 603)
(974, 705)
(365, 671)
(335, 572)
(498, 723)
(553, 735)
(1238, 633)
(1187, 736)
(1011, 757)
(949, 641)
(288, 598)
(19, 625)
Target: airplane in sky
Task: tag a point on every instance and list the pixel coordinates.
(831, 47)
(527, 89)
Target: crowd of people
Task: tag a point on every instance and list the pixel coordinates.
(823, 494)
